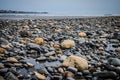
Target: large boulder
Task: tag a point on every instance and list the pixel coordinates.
(76, 61)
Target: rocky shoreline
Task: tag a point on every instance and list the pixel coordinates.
(60, 49)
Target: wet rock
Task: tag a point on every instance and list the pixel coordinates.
(12, 60)
(39, 41)
(26, 27)
(51, 70)
(1, 66)
(41, 59)
(43, 70)
(10, 76)
(82, 34)
(4, 70)
(76, 61)
(69, 74)
(67, 44)
(117, 50)
(24, 33)
(72, 69)
(29, 64)
(70, 78)
(1, 78)
(39, 76)
(86, 72)
(32, 46)
(108, 75)
(114, 61)
(117, 35)
(50, 53)
(56, 77)
(2, 50)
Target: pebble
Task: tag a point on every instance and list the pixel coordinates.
(10, 76)
(72, 69)
(39, 41)
(76, 61)
(82, 34)
(114, 61)
(12, 60)
(67, 44)
(108, 75)
(39, 76)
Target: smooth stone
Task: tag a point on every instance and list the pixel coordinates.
(10, 76)
(70, 78)
(30, 64)
(4, 70)
(24, 33)
(69, 74)
(1, 66)
(109, 74)
(12, 60)
(39, 76)
(63, 57)
(76, 61)
(67, 44)
(33, 46)
(39, 41)
(51, 70)
(50, 53)
(82, 34)
(114, 61)
(43, 70)
(1, 78)
(2, 50)
(41, 59)
(56, 77)
(72, 69)
(86, 72)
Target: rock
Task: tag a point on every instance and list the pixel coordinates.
(69, 74)
(50, 53)
(67, 44)
(114, 61)
(25, 33)
(41, 59)
(2, 50)
(72, 69)
(117, 50)
(108, 75)
(101, 48)
(26, 27)
(1, 78)
(76, 61)
(56, 77)
(10, 76)
(39, 76)
(12, 60)
(82, 34)
(1, 66)
(70, 78)
(32, 46)
(29, 64)
(39, 41)
(56, 46)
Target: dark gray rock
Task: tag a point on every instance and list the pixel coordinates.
(72, 69)
(10, 76)
(114, 61)
(108, 75)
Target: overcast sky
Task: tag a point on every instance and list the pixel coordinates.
(64, 7)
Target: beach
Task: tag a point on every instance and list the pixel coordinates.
(59, 47)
